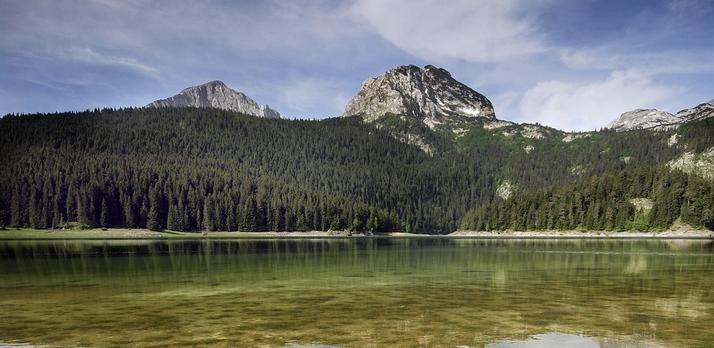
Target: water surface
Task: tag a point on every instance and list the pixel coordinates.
(358, 293)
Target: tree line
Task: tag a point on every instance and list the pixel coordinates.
(194, 169)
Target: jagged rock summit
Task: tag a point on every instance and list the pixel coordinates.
(216, 94)
(655, 119)
(429, 94)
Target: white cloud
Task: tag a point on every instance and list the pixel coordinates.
(505, 103)
(477, 31)
(90, 56)
(588, 106)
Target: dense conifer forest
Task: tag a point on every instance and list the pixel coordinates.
(643, 199)
(192, 169)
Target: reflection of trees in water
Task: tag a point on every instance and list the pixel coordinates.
(255, 260)
(430, 286)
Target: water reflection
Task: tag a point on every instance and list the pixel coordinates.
(356, 292)
(548, 340)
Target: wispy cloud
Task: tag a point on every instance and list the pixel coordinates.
(479, 31)
(587, 106)
(90, 56)
(667, 62)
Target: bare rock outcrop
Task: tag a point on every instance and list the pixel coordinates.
(430, 95)
(216, 94)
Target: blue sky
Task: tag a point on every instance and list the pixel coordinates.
(574, 65)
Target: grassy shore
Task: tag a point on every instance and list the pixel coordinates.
(127, 233)
(672, 234)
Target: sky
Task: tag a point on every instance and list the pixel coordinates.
(572, 65)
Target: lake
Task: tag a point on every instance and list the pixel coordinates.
(362, 292)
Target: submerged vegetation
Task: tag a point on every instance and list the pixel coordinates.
(189, 169)
(379, 292)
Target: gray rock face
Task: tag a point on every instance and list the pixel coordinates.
(216, 94)
(429, 94)
(643, 118)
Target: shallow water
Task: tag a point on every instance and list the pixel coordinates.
(358, 293)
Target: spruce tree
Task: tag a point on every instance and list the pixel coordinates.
(152, 217)
(172, 219)
(16, 209)
(104, 214)
(208, 219)
(128, 210)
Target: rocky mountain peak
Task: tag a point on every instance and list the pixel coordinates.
(656, 119)
(642, 119)
(698, 112)
(216, 94)
(217, 84)
(429, 94)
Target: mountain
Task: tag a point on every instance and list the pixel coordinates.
(698, 112)
(216, 94)
(642, 119)
(655, 119)
(412, 160)
(430, 95)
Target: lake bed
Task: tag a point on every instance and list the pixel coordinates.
(358, 292)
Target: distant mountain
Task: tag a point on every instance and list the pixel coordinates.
(641, 119)
(656, 119)
(698, 112)
(216, 94)
(430, 95)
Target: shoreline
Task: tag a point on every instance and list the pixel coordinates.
(673, 234)
(130, 234)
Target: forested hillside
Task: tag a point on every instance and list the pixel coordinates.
(206, 169)
(641, 199)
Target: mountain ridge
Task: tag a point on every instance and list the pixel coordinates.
(656, 119)
(218, 95)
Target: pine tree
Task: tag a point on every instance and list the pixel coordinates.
(208, 220)
(16, 208)
(172, 219)
(152, 217)
(128, 210)
(34, 209)
(104, 214)
(372, 223)
(82, 218)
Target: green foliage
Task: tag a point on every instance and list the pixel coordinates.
(640, 222)
(603, 203)
(195, 169)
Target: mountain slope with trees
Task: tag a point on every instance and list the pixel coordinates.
(196, 169)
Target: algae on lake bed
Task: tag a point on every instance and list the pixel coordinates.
(359, 292)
